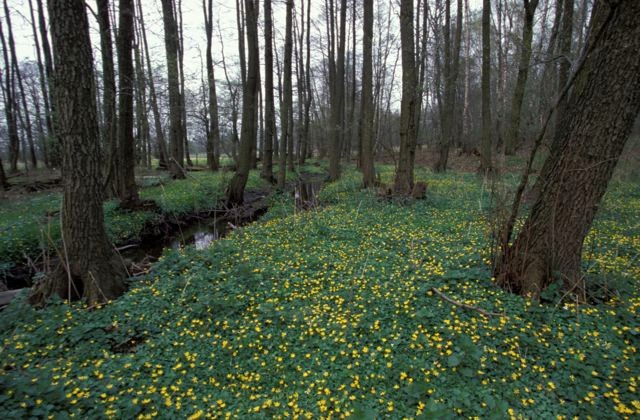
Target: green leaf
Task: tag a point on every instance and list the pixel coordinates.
(455, 359)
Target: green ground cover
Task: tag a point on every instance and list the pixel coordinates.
(331, 312)
(31, 224)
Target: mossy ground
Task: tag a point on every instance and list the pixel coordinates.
(330, 312)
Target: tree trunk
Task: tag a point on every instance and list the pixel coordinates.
(450, 81)
(18, 76)
(127, 189)
(43, 87)
(564, 42)
(54, 151)
(35, 99)
(486, 165)
(163, 155)
(600, 113)
(306, 146)
(233, 92)
(176, 132)
(183, 107)
(92, 270)
(549, 72)
(142, 114)
(10, 108)
(213, 139)
(269, 109)
(466, 111)
(337, 97)
(287, 96)
(366, 116)
(4, 184)
(109, 131)
(235, 190)
(409, 103)
(513, 137)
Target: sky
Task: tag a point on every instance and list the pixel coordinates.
(224, 28)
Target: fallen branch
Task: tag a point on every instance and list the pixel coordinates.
(464, 305)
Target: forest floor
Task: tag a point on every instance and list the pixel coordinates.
(30, 225)
(338, 311)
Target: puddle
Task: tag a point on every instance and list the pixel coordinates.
(200, 234)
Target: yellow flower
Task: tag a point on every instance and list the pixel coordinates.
(196, 415)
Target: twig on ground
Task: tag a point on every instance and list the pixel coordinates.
(464, 305)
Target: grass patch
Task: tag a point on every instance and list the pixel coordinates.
(30, 224)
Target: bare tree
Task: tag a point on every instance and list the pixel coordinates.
(10, 107)
(176, 163)
(92, 270)
(287, 96)
(599, 116)
(366, 117)
(451, 70)
(213, 139)
(337, 70)
(513, 137)
(410, 102)
(43, 86)
(109, 130)
(564, 43)
(486, 164)
(269, 109)
(235, 190)
(4, 184)
(54, 150)
(163, 155)
(127, 189)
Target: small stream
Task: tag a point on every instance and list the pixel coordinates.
(201, 234)
(197, 230)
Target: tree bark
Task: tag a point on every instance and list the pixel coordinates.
(176, 132)
(564, 42)
(549, 72)
(287, 96)
(127, 189)
(109, 130)
(142, 113)
(366, 116)
(18, 76)
(163, 155)
(599, 117)
(337, 98)
(43, 87)
(92, 270)
(269, 109)
(513, 137)
(306, 146)
(54, 151)
(10, 108)
(486, 164)
(235, 190)
(233, 92)
(410, 102)
(213, 139)
(4, 184)
(451, 70)
(466, 111)
(183, 107)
